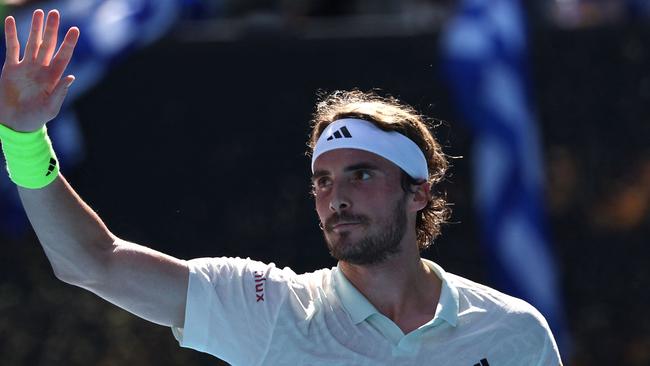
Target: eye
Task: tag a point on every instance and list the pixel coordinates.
(322, 183)
(361, 175)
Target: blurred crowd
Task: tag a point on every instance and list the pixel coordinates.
(562, 13)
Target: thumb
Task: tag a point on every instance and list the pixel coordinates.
(59, 93)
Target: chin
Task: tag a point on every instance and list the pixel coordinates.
(343, 238)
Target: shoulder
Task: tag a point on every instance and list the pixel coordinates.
(224, 269)
(497, 305)
(513, 321)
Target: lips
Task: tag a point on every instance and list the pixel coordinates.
(344, 225)
(343, 221)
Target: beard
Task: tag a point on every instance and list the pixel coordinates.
(375, 247)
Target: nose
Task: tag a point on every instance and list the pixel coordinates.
(339, 200)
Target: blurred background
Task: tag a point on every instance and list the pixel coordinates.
(187, 126)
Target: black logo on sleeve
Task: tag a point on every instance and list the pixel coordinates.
(340, 133)
(482, 363)
(50, 169)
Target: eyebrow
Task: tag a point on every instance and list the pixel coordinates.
(360, 166)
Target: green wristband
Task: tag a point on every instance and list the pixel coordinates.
(31, 161)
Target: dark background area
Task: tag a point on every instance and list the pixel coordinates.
(197, 149)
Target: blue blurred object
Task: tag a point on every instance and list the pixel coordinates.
(485, 63)
(639, 8)
(110, 30)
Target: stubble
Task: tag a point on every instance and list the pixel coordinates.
(375, 247)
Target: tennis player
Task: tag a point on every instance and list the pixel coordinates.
(374, 163)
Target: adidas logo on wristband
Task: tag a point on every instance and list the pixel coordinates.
(50, 169)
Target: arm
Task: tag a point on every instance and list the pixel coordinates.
(79, 246)
(83, 252)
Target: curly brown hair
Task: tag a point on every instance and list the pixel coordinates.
(390, 114)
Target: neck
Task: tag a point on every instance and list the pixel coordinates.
(403, 288)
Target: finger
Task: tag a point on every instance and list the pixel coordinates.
(58, 94)
(64, 54)
(11, 40)
(48, 46)
(35, 34)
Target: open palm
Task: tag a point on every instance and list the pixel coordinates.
(32, 90)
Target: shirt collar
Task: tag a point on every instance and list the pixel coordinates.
(353, 301)
(448, 304)
(360, 308)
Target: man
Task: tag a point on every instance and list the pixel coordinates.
(374, 163)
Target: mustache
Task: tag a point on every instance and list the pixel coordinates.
(343, 217)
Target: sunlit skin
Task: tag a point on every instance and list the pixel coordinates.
(364, 189)
(32, 89)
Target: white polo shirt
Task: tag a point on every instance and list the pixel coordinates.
(250, 313)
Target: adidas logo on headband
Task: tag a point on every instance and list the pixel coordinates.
(337, 134)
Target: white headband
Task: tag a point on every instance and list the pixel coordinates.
(352, 133)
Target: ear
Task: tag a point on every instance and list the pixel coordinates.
(421, 196)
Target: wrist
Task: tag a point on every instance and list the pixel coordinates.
(31, 161)
(13, 129)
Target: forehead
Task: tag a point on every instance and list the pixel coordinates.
(339, 159)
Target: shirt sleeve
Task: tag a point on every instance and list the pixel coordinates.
(232, 306)
(550, 355)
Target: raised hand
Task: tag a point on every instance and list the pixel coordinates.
(32, 90)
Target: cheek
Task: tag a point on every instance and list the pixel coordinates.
(322, 207)
(376, 196)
